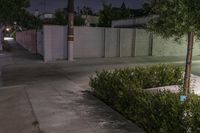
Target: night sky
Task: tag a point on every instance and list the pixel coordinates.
(51, 5)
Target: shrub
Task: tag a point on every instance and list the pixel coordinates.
(162, 112)
(144, 77)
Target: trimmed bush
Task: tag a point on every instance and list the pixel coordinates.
(162, 112)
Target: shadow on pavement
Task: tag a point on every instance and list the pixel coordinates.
(104, 117)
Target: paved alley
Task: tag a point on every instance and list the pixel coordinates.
(38, 97)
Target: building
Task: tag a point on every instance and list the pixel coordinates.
(90, 20)
(139, 22)
(43, 16)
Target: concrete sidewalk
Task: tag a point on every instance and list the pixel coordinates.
(38, 97)
(57, 107)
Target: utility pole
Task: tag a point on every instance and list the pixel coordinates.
(70, 32)
(1, 36)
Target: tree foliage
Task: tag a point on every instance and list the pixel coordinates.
(15, 11)
(106, 16)
(175, 17)
(86, 11)
(110, 13)
(29, 21)
(61, 18)
(12, 10)
(79, 21)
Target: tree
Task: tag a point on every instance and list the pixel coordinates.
(86, 11)
(29, 21)
(12, 10)
(79, 21)
(110, 13)
(175, 18)
(15, 11)
(106, 16)
(60, 17)
(124, 12)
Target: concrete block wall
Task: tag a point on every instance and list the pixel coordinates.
(147, 44)
(142, 43)
(196, 48)
(40, 44)
(95, 42)
(127, 42)
(55, 42)
(89, 42)
(111, 42)
(1, 38)
(170, 47)
(28, 39)
(103, 42)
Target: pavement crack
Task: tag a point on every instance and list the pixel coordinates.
(35, 123)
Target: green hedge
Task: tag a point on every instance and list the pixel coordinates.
(155, 113)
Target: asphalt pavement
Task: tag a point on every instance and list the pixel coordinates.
(54, 97)
(38, 97)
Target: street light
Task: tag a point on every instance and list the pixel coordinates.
(7, 29)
